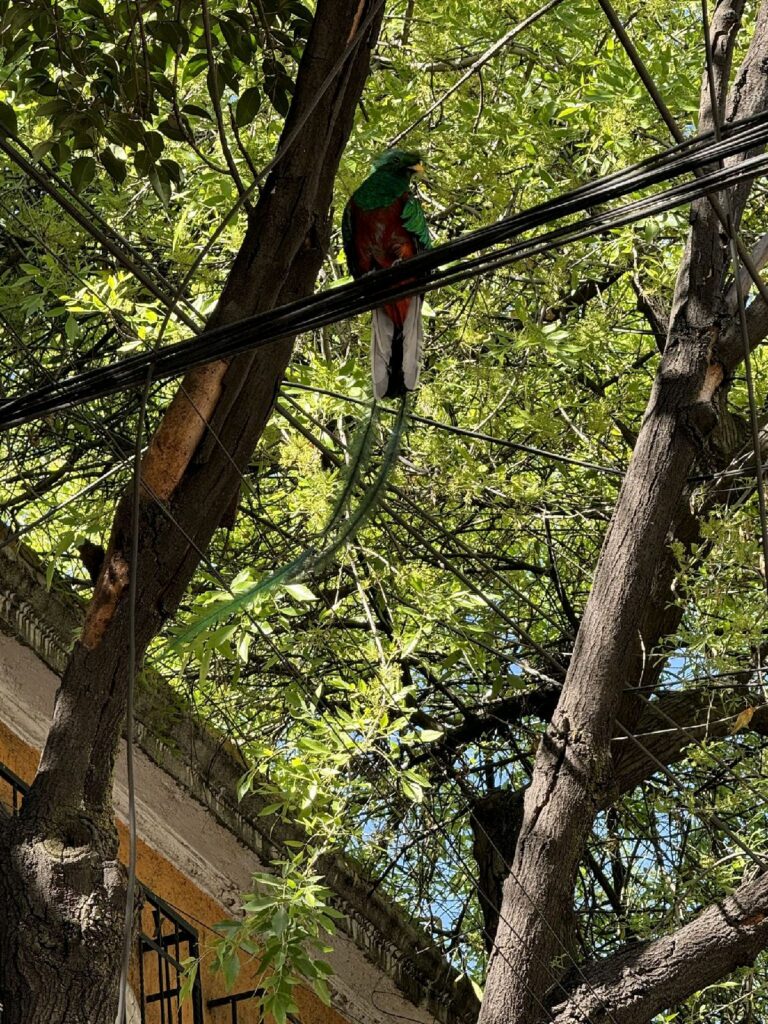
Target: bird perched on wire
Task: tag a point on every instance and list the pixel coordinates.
(383, 224)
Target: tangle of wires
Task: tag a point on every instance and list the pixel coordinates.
(445, 264)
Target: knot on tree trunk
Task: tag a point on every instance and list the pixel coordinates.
(54, 891)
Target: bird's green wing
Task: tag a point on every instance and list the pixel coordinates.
(414, 221)
(348, 239)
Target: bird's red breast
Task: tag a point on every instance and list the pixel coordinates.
(380, 239)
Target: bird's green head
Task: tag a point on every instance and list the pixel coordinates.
(399, 161)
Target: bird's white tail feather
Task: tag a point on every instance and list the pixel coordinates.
(382, 335)
(382, 332)
(413, 340)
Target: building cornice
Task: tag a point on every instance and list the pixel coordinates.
(201, 761)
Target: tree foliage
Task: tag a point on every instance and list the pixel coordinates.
(393, 702)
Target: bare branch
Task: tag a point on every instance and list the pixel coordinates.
(759, 256)
(632, 986)
(214, 92)
(462, 63)
(655, 311)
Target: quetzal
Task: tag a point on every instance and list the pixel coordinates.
(383, 224)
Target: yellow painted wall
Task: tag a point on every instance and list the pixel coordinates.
(189, 901)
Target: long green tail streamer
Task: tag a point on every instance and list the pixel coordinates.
(341, 527)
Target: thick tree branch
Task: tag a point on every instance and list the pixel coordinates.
(635, 984)
(582, 294)
(497, 717)
(723, 31)
(496, 819)
(759, 254)
(299, 239)
(696, 717)
(723, 489)
(572, 774)
(62, 847)
(278, 261)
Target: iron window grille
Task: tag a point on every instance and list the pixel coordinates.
(165, 940)
(12, 787)
(232, 1002)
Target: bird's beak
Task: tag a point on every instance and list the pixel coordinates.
(418, 168)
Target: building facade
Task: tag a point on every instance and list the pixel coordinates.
(199, 846)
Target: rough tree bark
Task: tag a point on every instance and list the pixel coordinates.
(497, 818)
(62, 890)
(573, 770)
(645, 978)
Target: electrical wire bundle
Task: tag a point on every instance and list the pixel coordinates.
(450, 263)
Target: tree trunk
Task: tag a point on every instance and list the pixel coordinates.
(63, 900)
(573, 769)
(61, 888)
(645, 978)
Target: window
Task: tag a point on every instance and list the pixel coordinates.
(165, 940)
(228, 1012)
(231, 1004)
(12, 789)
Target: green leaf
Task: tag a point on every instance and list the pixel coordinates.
(116, 168)
(154, 143)
(270, 809)
(143, 162)
(321, 990)
(247, 107)
(124, 131)
(60, 152)
(413, 791)
(171, 128)
(238, 41)
(56, 108)
(8, 122)
(194, 111)
(277, 85)
(172, 169)
(41, 150)
(244, 785)
(71, 328)
(257, 903)
(190, 967)
(92, 7)
(83, 172)
(171, 32)
(216, 81)
(231, 969)
(299, 592)
(279, 921)
(195, 66)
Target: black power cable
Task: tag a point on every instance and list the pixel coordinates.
(426, 271)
